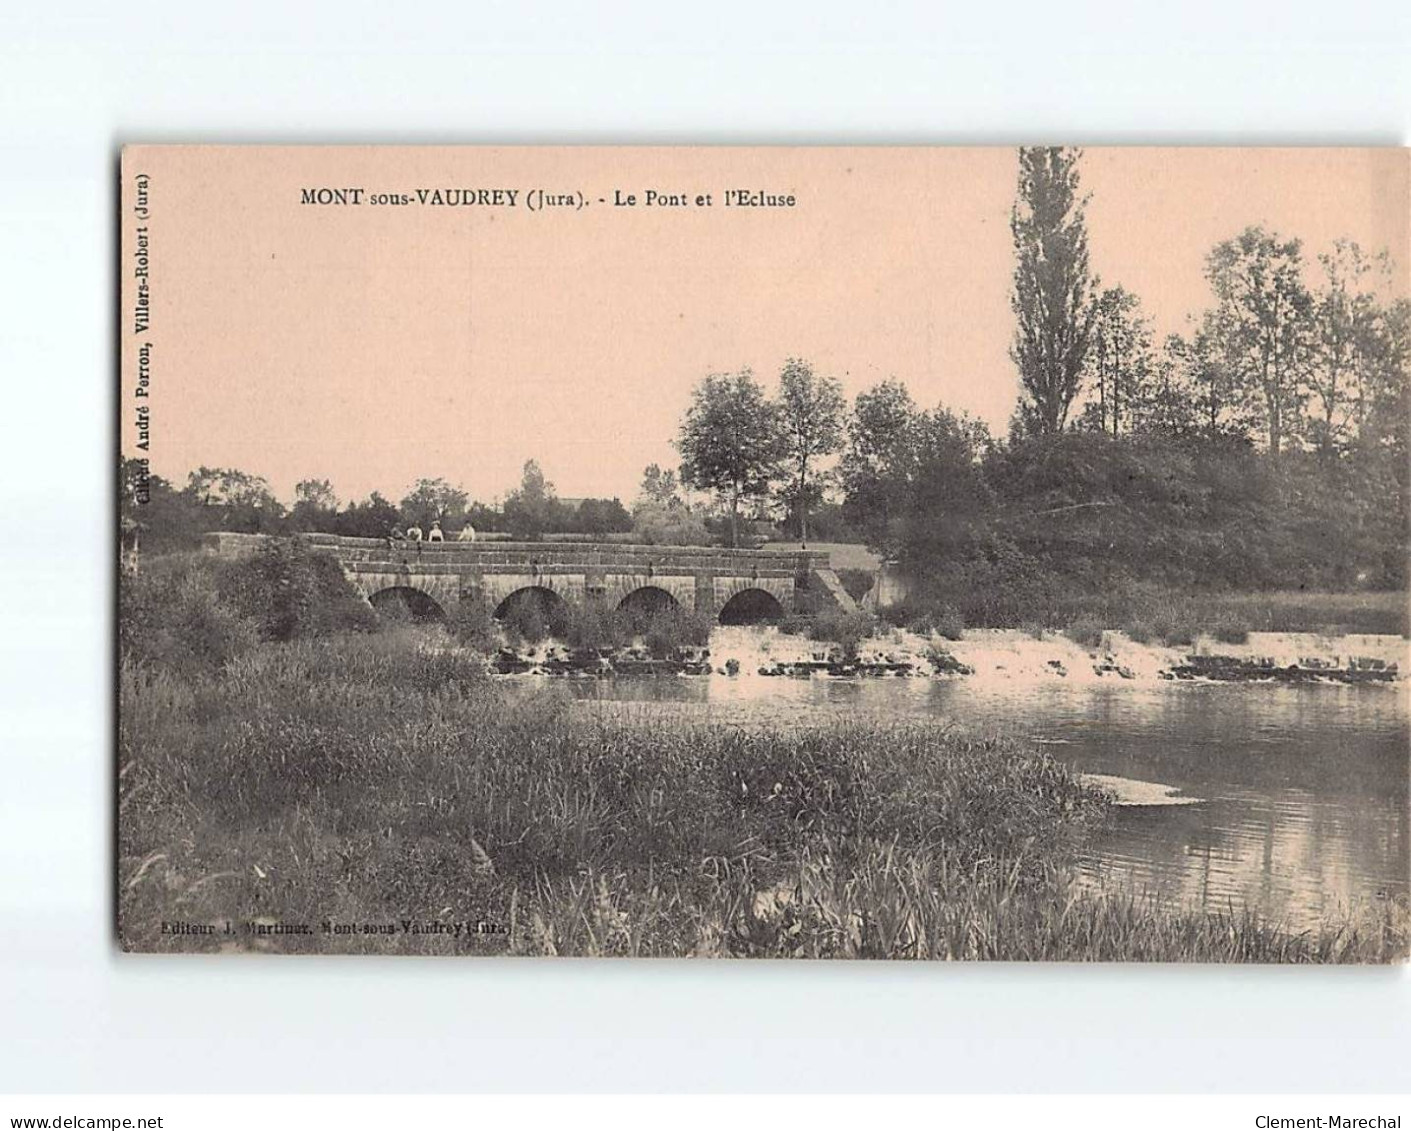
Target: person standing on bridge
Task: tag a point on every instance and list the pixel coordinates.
(435, 535)
(413, 533)
(467, 534)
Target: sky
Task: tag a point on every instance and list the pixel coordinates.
(375, 344)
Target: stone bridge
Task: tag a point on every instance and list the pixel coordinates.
(732, 586)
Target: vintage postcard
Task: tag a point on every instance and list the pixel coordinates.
(905, 553)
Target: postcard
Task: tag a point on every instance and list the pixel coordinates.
(886, 553)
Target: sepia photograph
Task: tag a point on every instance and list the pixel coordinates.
(938, 553)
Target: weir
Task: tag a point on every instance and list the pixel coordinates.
(717, 583)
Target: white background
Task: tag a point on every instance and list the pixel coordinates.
(77, 80)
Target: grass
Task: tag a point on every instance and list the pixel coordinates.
(360, 779)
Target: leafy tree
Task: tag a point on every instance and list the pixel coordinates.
(659, 487)
(1168, 407)
(374, 518)
(602, 516)
(234, 500)
(1051, 286)
(1220, 402)
(945, 501)
(484, 517)
(1265, 322)
(658, 525)
(1119, 362)
(1384, 399)
(434, 500)
(315, 506)
(881, 439)
(532, 508)
(1348, 342)
(811, 411)
(730, 442)
(155, 517)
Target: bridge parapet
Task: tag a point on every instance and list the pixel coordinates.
(577, 554)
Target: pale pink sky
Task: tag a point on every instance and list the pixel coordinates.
(374, 345)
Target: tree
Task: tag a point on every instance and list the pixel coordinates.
(811, 419)
(659, 487)
(1119, 361)
(1169, 407)
(531, 509)
(1219, 399)
(234, 500)
(1264, 316)
(881, 437)
(658, 525)
(315, 506)
(434, 500)
(602, 516)
(1051, 286)
(944, 498)
(155, 517)
(730, 442)
(374, 518)
(1348, 342)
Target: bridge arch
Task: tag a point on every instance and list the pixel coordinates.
(407, 600)
(520, 605)
(751, 606)
(647, 601)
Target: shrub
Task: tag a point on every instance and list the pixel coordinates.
(171, 615)
(1138, 631)
(1175, 632)
(591, 628)
(948, 623)
(290, 591)
(1087, 631)
(394, 613)
(795, 624)
(847, 630)
(525, 620)
(656, 525)
(472, 626)
(1230, 631)
(668, 631)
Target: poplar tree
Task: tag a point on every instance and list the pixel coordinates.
(1051, 286)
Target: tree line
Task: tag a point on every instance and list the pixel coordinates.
(1264, 445)
(215, 498)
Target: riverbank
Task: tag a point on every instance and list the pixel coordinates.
(990, 654)
(365, 793)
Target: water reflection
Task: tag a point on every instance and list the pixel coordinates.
(1306, 787)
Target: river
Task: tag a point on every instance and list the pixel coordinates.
(1303, 790)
